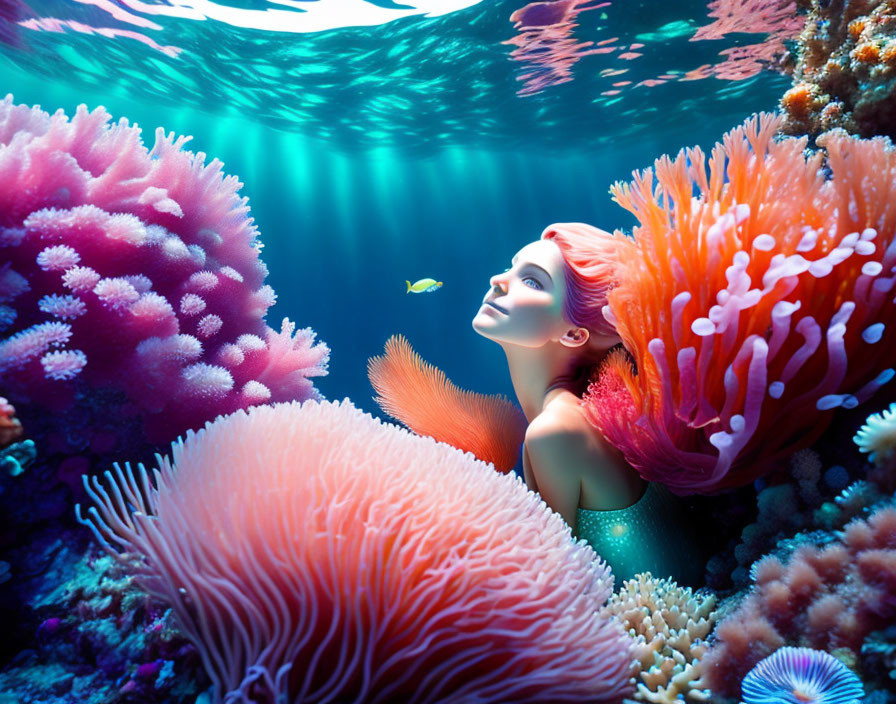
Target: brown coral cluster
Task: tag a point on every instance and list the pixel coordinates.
(829, 599)
(669, 625)
(845, 69)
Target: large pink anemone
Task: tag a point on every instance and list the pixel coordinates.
(313, 553)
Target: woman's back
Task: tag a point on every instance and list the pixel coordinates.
(606, 480)
(634, 525)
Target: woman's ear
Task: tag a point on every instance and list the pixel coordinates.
(575, 337)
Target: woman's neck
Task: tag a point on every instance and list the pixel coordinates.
(539, 374)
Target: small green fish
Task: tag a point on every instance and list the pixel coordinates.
(423, 286)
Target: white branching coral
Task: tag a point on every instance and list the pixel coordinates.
(878, 435)
(669, 625)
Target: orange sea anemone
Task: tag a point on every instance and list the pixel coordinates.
(856, 27)
(800, 100)
(867, 53)
(755, 298)
(888, 53)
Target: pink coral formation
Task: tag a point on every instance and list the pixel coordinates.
(829, 599)
(755, 297)
(312, 552)
(844, 70)
(136, 271)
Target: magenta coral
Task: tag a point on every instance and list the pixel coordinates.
(133, 270)
(755, 297)
(312, 552)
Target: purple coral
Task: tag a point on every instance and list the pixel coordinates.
(136, 271)
(801, 676)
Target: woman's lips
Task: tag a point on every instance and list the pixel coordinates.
(496, 307)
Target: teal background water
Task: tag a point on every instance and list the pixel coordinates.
(373, 155)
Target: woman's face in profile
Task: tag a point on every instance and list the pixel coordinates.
(524, 305)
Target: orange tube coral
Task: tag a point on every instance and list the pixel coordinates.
(755, 297)
(421, 396)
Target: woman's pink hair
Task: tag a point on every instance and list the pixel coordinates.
(589, 257)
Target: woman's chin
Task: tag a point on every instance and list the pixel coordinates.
(483, 325)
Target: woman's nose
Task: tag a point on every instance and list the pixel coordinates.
(498, 282)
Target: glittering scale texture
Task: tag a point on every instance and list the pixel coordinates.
(110, 252)
(669, 625)
(828, 598)
(312, 552)
(801, 676)
(756, 297)
(650, 535)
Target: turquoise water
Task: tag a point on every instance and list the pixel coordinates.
(380, 142)
(372, 155)
(413, 82)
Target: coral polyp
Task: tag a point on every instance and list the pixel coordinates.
(877, 437)
(801, 676)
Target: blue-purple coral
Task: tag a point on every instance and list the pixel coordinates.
(801, 676)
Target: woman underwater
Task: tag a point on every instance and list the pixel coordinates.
(546, 313)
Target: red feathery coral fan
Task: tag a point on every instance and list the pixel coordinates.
(312, 552)
(421, 396)
(752, 307)
(136, 271)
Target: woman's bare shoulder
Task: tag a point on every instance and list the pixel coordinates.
(562, 418)
(562, 438)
